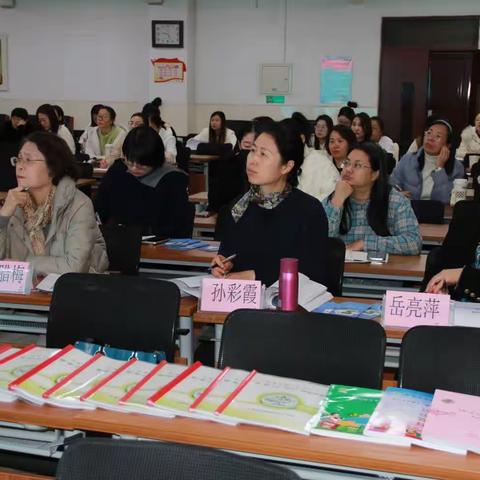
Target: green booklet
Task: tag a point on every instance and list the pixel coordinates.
(345, 412)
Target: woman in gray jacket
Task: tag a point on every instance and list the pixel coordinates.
(46, 220)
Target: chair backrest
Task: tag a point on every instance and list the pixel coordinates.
(214, 149)
(441, 357)
(476, 181)
(133, 313)
(124, 243)
(112, 459)
(428, 211)
(335, 259)
(8, 177)
(239, 126)
(464, 229)
(317, 347)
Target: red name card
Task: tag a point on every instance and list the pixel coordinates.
(224, 295)
(15, 277)
(408, 309)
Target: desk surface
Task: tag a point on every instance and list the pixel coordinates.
(203, 158)
(200, 197)
(162, 253)
(397, 266)
(205, 222)
(255, 441)
(432, 232)
(188, 305)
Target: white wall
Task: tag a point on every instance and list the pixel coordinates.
(80, 52)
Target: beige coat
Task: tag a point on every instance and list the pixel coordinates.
(73, 242)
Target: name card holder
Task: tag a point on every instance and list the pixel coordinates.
(225, 295)
(15, 277)
(409, 309)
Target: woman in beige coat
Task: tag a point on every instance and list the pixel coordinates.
(46, 220)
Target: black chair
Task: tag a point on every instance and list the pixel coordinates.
(428, 211)
(222, 149)
(124, 243)
(335, 263)
(133, 313)
(8, 178)
(111, 459)
(317, 347)
(441, 357)
(475, 172)
(239, 126)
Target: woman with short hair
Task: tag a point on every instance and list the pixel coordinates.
(46, 220)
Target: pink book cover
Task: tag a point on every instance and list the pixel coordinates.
(454, 420)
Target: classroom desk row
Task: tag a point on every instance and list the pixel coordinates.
(310, 456)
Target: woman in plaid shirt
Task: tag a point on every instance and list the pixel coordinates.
(366, 212)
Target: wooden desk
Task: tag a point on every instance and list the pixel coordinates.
(303, 453)
(29, 314)
(200, 197)
(433, 234)
(204, 225)
(204, 161)
(99, 172)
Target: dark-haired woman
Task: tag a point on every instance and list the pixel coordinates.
(46, 220)
(144, 190)
(362, 127)
(105, 133)
(166, 134)
(323, 127)
(339, 143)
(217, 132)
(378, 135)
(365, 212)
(429, 173)
(345, 116)
(273, 219)
(48, 120)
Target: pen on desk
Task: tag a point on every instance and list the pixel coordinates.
(231, 257)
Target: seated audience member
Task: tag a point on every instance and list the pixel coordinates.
(323, 127)
(429, 173)
(470, 140)
(48, 121)
(17, 127)
(273, 219)
(93, 123)
(467, 281)
(340, 141)
(105, 133)
(165, 131)
(136, 120)
(318, 176)
(378, 135)
(217, 133)
(362, 127)
(46, 220)
(60, 114)
(345, 116)
(366, 212)
(144, 190)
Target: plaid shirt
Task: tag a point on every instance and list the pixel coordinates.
(404, 238)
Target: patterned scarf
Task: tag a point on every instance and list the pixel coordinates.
(254, 195)
(36, 219)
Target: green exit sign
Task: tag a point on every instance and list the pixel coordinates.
(275, 98)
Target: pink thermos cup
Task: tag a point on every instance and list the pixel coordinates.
(288, 284)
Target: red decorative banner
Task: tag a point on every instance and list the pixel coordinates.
(168, 70)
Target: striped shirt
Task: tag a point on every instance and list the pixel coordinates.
(404, 238)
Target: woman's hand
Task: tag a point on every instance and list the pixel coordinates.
(357, 245)
(220, 268)
(342, 191)
(245, 275)
(440, 281)
(103, 163)
(16, 197)
(443, 156)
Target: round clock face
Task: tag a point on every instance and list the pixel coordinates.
(166, 34)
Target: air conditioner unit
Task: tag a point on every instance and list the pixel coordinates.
(7, 3)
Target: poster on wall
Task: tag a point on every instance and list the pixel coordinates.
(336, 79)
(168, 70)
(3, 62)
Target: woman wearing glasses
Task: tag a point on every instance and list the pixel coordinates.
(46, 220)
(366, 212)
(429, 173)
(144, 190)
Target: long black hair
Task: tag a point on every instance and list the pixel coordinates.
(219, 138)
(329, 122)
(377, 210)
(366, 124)
(450, 163)
(49, 111)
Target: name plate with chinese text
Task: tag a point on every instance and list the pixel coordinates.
(408, 309)
(224, 295)
(15, 277)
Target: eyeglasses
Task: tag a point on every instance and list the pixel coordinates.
(131, 164)
(355, 166)
(24, 161)
(436, 136)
